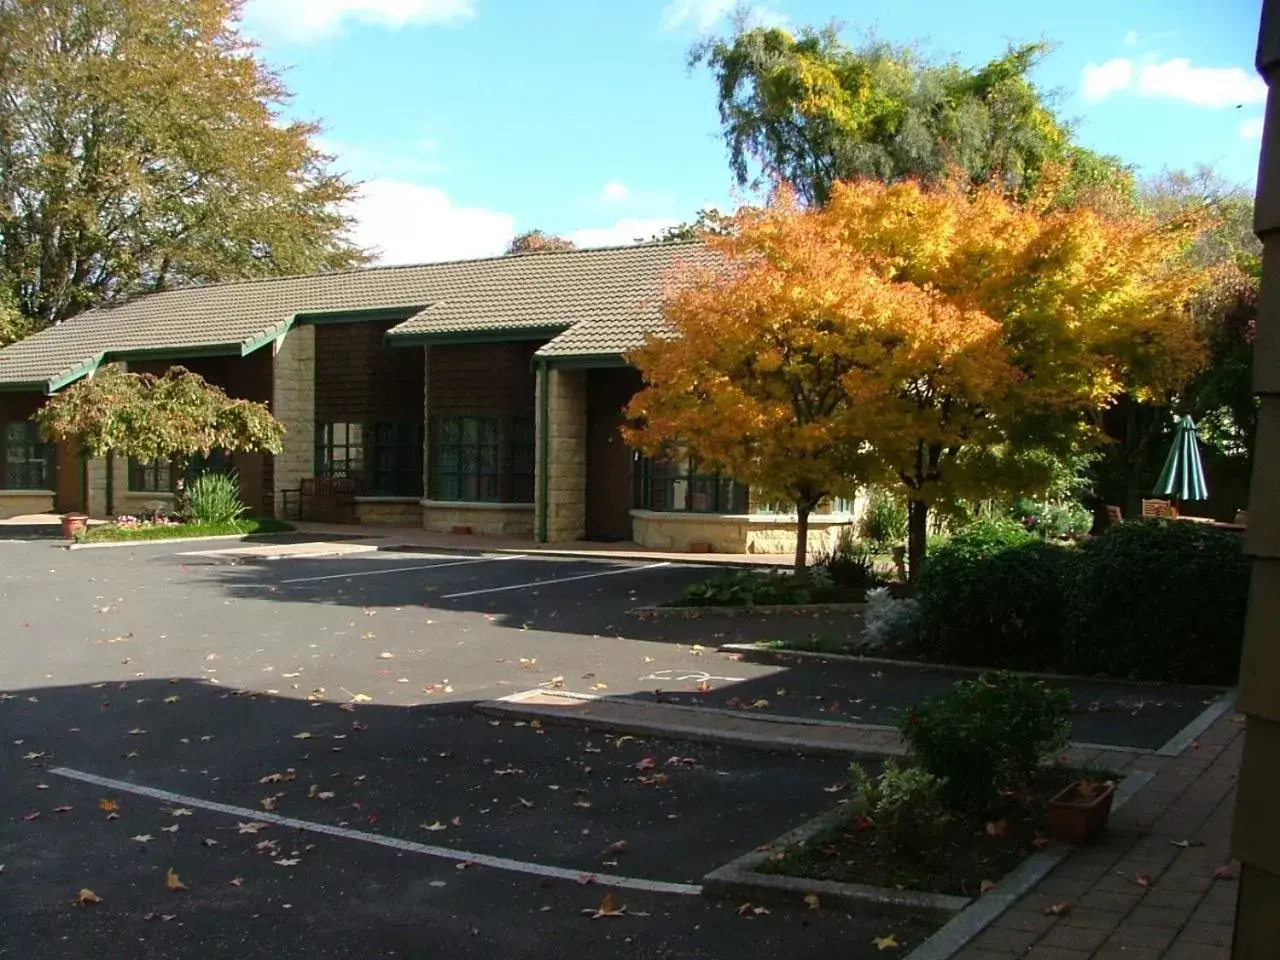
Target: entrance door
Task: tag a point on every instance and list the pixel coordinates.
(68, 480)
(608, 458)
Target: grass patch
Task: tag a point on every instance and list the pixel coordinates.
(817, 644)
(968, 852)
(753, 588)
(111, 533)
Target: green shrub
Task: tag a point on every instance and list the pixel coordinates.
(745, 588)
(905, 804)
(988, 736)
(848, 563)
(214, 498)
(1053, 520)
(992, 596)
(1158, 600)
(884, 520)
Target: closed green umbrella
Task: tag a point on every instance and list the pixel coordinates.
(1183, 475)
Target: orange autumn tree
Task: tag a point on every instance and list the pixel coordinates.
(1031, 317)
(937, 336)
(749, 376)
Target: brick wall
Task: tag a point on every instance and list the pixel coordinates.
(480, 378)
(359, 379)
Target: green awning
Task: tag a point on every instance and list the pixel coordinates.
(1183, 475)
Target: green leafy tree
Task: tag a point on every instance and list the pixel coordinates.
(143, 145)
(148, 417)
(708, 222)
(811, 110)
(13, 325)
(535, 241)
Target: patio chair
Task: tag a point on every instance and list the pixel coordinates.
(1158, 508)
(1114, 515)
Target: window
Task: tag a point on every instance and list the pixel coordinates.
(522, 460)
(340, 450)
(397, 460)
(677, 485)
(28, 460)
(468, 460)
(153, 477)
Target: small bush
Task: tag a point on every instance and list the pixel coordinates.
(847, 563)
(884, 520)
(992, 596)
(890, 622)
(214, 498)
(1053, 520)
(745, 588)
(1158, 600)
(988, 736)
(904, 804)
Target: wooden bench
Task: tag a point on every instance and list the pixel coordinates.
(325, 499)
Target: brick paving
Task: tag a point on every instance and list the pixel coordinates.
(1138, 893)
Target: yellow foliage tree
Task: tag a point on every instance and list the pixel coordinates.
(947, 331)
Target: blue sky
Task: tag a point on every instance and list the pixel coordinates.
(472, 120)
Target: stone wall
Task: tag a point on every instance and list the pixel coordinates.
(736, 533)
(389, 511)
(494, 519)
(293, 401)
(20, 503)
(566, 456)
(138, 504)
(98, 506)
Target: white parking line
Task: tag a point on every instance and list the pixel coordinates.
(420, 566)
(547, 583)
(394, 843)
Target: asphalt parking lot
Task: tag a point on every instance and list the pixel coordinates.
(337, 692)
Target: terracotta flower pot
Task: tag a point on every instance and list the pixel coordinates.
(1079, 812)
(73, 524)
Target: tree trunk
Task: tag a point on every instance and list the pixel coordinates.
(802, 536)
(917, 534)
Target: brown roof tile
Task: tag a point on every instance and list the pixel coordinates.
(603, 299)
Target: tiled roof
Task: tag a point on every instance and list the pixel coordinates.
(613, 294)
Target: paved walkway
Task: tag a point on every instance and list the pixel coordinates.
(1155, 887)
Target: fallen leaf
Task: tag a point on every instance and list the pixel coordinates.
(455, 822)
(618, 846)
(252, 827)
(1060, 909)
(288, 862)
(173, 699)
(86, 897)
(325, 795)
(142, 838)
(985, 886)
(704, 686)
(172, 829)
(178, 812)
(237, 881)
(835, 787)
(107, 805)
(606, 909)
(34, 815)
(1142, 879)
(63, 809)
(758, 705)
(747, 910)
(433, 827)
(33, 755)
(1223, 872)
(647, 763)
(386, 655)
(1185, 844)
(173, 882)
(811, 901)
(136, 732)
(208, 842)
(997, 828)
(304, 735)
(268, 803)
(582, 803)
(889, 942)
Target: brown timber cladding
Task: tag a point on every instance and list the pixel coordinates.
(361, 380)
(482, 378)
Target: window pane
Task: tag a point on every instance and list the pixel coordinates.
(448, 487)
(447, 459)
(489, 488)
(450, 430)
(470, 430)
(489, 460)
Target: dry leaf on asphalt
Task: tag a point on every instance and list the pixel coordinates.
(1058, 909)
(618, 846)
(1142, 879)
(63, 809)
(208, 842)
(142, 838)
(173, 699)
(304, 735)
(178, 812)
(107, 805)
(386, 655)
(646, 763)
(252, 827)
(749, 911)
(811, 901)
(34, 815)
(269, 803)
(288, 862)
(888, 942)
(237, 881)
(86, 897)
(758, 705)
(1185, 844)
(582, 803)
(173, 882)
(606, 909)
(835, 787)
(704, 686)
(433, 827)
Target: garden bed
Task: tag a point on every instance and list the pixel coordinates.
(971, 850)
(754, 590)
(143, 532)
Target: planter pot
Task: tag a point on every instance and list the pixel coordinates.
(73, 524)
(1078, 813)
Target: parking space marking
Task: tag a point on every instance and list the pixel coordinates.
(420, 566)
(394, 843)
(547, 583)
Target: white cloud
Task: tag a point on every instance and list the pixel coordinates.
(411, 223)
(615, 191)
(1203, 86)
(1251, 129)
(1101, 80)
(705, 14)
(305, 20)
(625, 231)
(1174, 79)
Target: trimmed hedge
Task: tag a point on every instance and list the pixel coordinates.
(992, 596)
(1158, 600)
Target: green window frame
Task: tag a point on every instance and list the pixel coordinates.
(340, 450)
(28, 458)
(396, 463)
(677, 486)
(468, 459)
(522, 447)
(153, 477)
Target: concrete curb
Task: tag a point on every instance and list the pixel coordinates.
(513, 707)
(1197, 727)
(771, 653)
(740, 878)
(956, 934)
(701, 613)
(243, 538)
